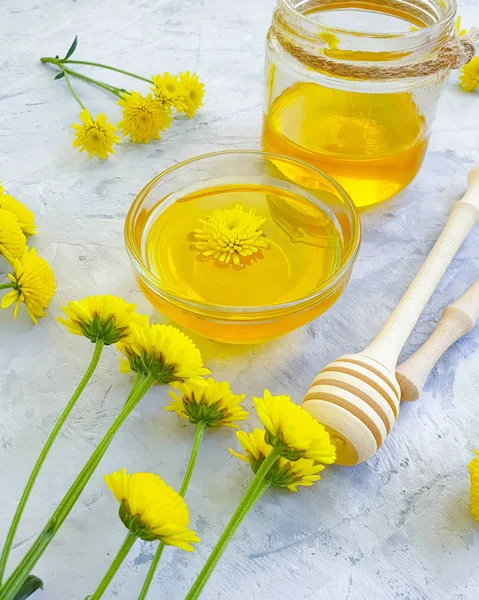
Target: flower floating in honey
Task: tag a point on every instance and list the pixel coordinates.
(33, 284)
(469, 79)
(151, 509)
(230, 235)
(106, 318)
(143, 117)
(12, 238)
(163, 352)
(474, 474)
(96, 137)
(292, 431)
(215, 405)
(285, 473)
(24, 216)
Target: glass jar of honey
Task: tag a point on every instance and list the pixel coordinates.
(352, 87)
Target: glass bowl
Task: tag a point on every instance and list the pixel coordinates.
(304, 235)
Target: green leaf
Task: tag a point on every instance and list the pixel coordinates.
(30, 586)
(60, 75)
(72, 48)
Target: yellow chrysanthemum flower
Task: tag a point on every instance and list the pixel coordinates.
(152, 510)
(143, 117)
(24, 216)
(169, 91)
(12, 238)
(164, 352)
(230, 235)
(469, 79)
(474, 474)
(192, 92)
(106, 318)
(285, 473)
(292, 431)
(214, 405)
(460, 32)
(33, 284)
(97, 137)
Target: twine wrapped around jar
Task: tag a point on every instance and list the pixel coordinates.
(454, 53)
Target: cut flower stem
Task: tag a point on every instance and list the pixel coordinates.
(256, 488)
(130, 539)
(15, 581)
(200, 429)
(66, 71)
(44, 453)
(102, 66)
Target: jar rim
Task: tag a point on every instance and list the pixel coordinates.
(167, 294)
(446, 19)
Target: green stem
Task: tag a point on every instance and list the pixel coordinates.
(101, 66)
(109, 88)
(200, 429)
(44, 453)
(115, 565)
(254, 491)
(151, 571)
(5, 286)
(61, 65)
(16, 579)
(70, 87)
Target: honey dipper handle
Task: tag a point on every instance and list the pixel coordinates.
(456, 320)
(464, 215)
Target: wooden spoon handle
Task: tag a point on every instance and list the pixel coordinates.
(387, 346)
(456, 320)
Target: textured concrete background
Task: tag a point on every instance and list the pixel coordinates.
(396, 527)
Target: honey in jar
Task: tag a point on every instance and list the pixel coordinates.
(335, 94)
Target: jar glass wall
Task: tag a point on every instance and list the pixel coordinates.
(345, 90)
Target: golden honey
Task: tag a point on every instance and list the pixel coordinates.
(371, 144)
(299, 249)
(369, 131)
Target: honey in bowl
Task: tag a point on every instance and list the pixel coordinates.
(243, 259)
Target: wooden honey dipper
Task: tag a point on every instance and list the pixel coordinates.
(357, 396)
(457, 319)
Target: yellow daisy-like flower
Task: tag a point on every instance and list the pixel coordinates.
(469, 79)
(230, 235)
(164, 352)
(24, 216)
(33, 284)
(12, 238)
(214, 405)
(192, 93)
(106, 318)
(292, 431)
(152, 510)
(169, 91)
(143, 117)
(460, 32)
(97, 137)
(474, 474)
(285, 473)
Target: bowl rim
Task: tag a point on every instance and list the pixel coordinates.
(159, 287)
